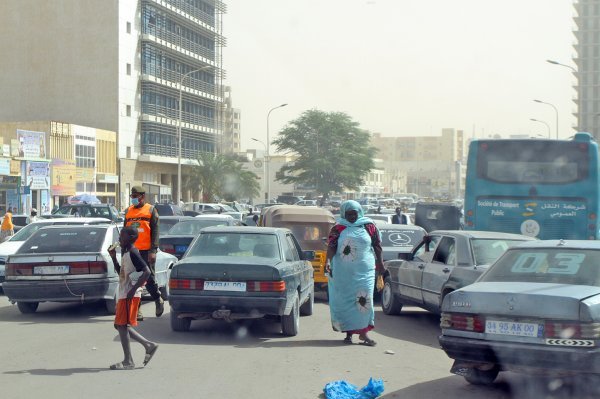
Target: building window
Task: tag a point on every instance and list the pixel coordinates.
(128, 27)
(129, 69)
(128, 108)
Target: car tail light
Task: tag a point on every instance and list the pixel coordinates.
(186, 284)
(265, 286)
(568, 330)
(168, 248)
(88, 267)
(19, 269)
(465, 322)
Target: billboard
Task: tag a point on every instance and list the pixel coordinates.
(32, 145)
(38, 175)
(63, 177)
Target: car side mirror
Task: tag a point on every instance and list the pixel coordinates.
(308, 255)
(406, 256)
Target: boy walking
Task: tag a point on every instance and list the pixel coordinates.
(128, 297)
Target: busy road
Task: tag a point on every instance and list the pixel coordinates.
(64, 350)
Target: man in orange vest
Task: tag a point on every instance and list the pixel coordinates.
(144, 217)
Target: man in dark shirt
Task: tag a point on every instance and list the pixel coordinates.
(399, 218)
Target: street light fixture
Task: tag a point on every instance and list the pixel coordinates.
(578, 92)
(547, 125)
(555, 110)
(185, 75)
(268, 159)
(264, 164)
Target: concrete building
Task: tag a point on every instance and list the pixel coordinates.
(232, 125)
(118, 65)
(43, 163)
(587, 59)
(424, 165)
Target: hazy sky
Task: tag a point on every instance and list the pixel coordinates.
(402, 67)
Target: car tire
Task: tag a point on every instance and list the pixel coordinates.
(307, 307)
(290, 324)
(482, 377)
(27, 307)
(178, 324)
(111, 304)
(389, 302)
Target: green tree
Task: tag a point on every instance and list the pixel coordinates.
(333, 152)
(222, 176)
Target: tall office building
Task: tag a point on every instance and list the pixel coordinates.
(587, 59)
(118, 65)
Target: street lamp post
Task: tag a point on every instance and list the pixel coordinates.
(578, 91)
(268, 159)
(185, 75)
(547, 125)
(555, 110)
(264, 165)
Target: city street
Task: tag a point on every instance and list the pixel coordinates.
(218, 360)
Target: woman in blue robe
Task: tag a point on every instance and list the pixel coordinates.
(353, 256)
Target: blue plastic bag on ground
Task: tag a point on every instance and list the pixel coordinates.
(344, 390)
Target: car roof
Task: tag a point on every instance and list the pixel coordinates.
(176, 217)
(81, 220)
(78, 226)
(569, 244)
(483, 234)
(388, 226)
(79, 205)
(213, 217)
(244, 229)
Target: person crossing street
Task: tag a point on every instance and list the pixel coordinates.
(145, 218)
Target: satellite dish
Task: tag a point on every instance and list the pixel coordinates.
(258, 164)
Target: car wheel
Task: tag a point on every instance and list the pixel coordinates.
(307, 307)
(389, 302)
(482, 377)
(27, 307)
(178, 324)
(111, 304)
(290, 324)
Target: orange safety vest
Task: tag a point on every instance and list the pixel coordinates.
(140, 219)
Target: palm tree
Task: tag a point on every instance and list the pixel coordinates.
(222, 176)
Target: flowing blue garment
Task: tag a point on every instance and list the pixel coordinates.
(352, 280)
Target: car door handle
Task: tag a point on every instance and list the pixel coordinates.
(446, 270)
(421, 266)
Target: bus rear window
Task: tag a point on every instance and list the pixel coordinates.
(535, 162)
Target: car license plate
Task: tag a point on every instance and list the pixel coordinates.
(224, 286)
(51, 270)
(180, 248)
(514, 328)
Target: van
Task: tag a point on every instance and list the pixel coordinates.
(288, 199)
(168, 210)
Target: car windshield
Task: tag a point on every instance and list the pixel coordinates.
(547, 265)
(486, 251)
(193, 227)
(400, 238)
(236, 244)
(65, 239)
(166, 225)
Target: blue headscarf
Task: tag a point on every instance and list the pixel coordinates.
(352, 206)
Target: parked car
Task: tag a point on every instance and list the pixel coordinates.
(10, 246)
(399, 239)
(288, 199)
(69, 264)
(168, 209)
(444, 261)
(177, 240)
(307, 203)
(382, 217)
(536, 309)
(166, 222)
(234, 273)
(88, 210)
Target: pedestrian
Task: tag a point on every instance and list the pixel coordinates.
(129, 297)
(55, 208)
(144, 217)
(353, 257)
(399, 218)
(378, 211)
(255, 219)
(33, 215)
(7, 229)
(181, 203)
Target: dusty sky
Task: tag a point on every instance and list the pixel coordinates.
(402, 67)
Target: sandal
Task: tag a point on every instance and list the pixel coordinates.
(368, 342)
(348, 340)
(122, 366)
(149, 355)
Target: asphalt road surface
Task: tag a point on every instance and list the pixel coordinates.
(64, 350)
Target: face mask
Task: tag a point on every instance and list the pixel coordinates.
(135, 201)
